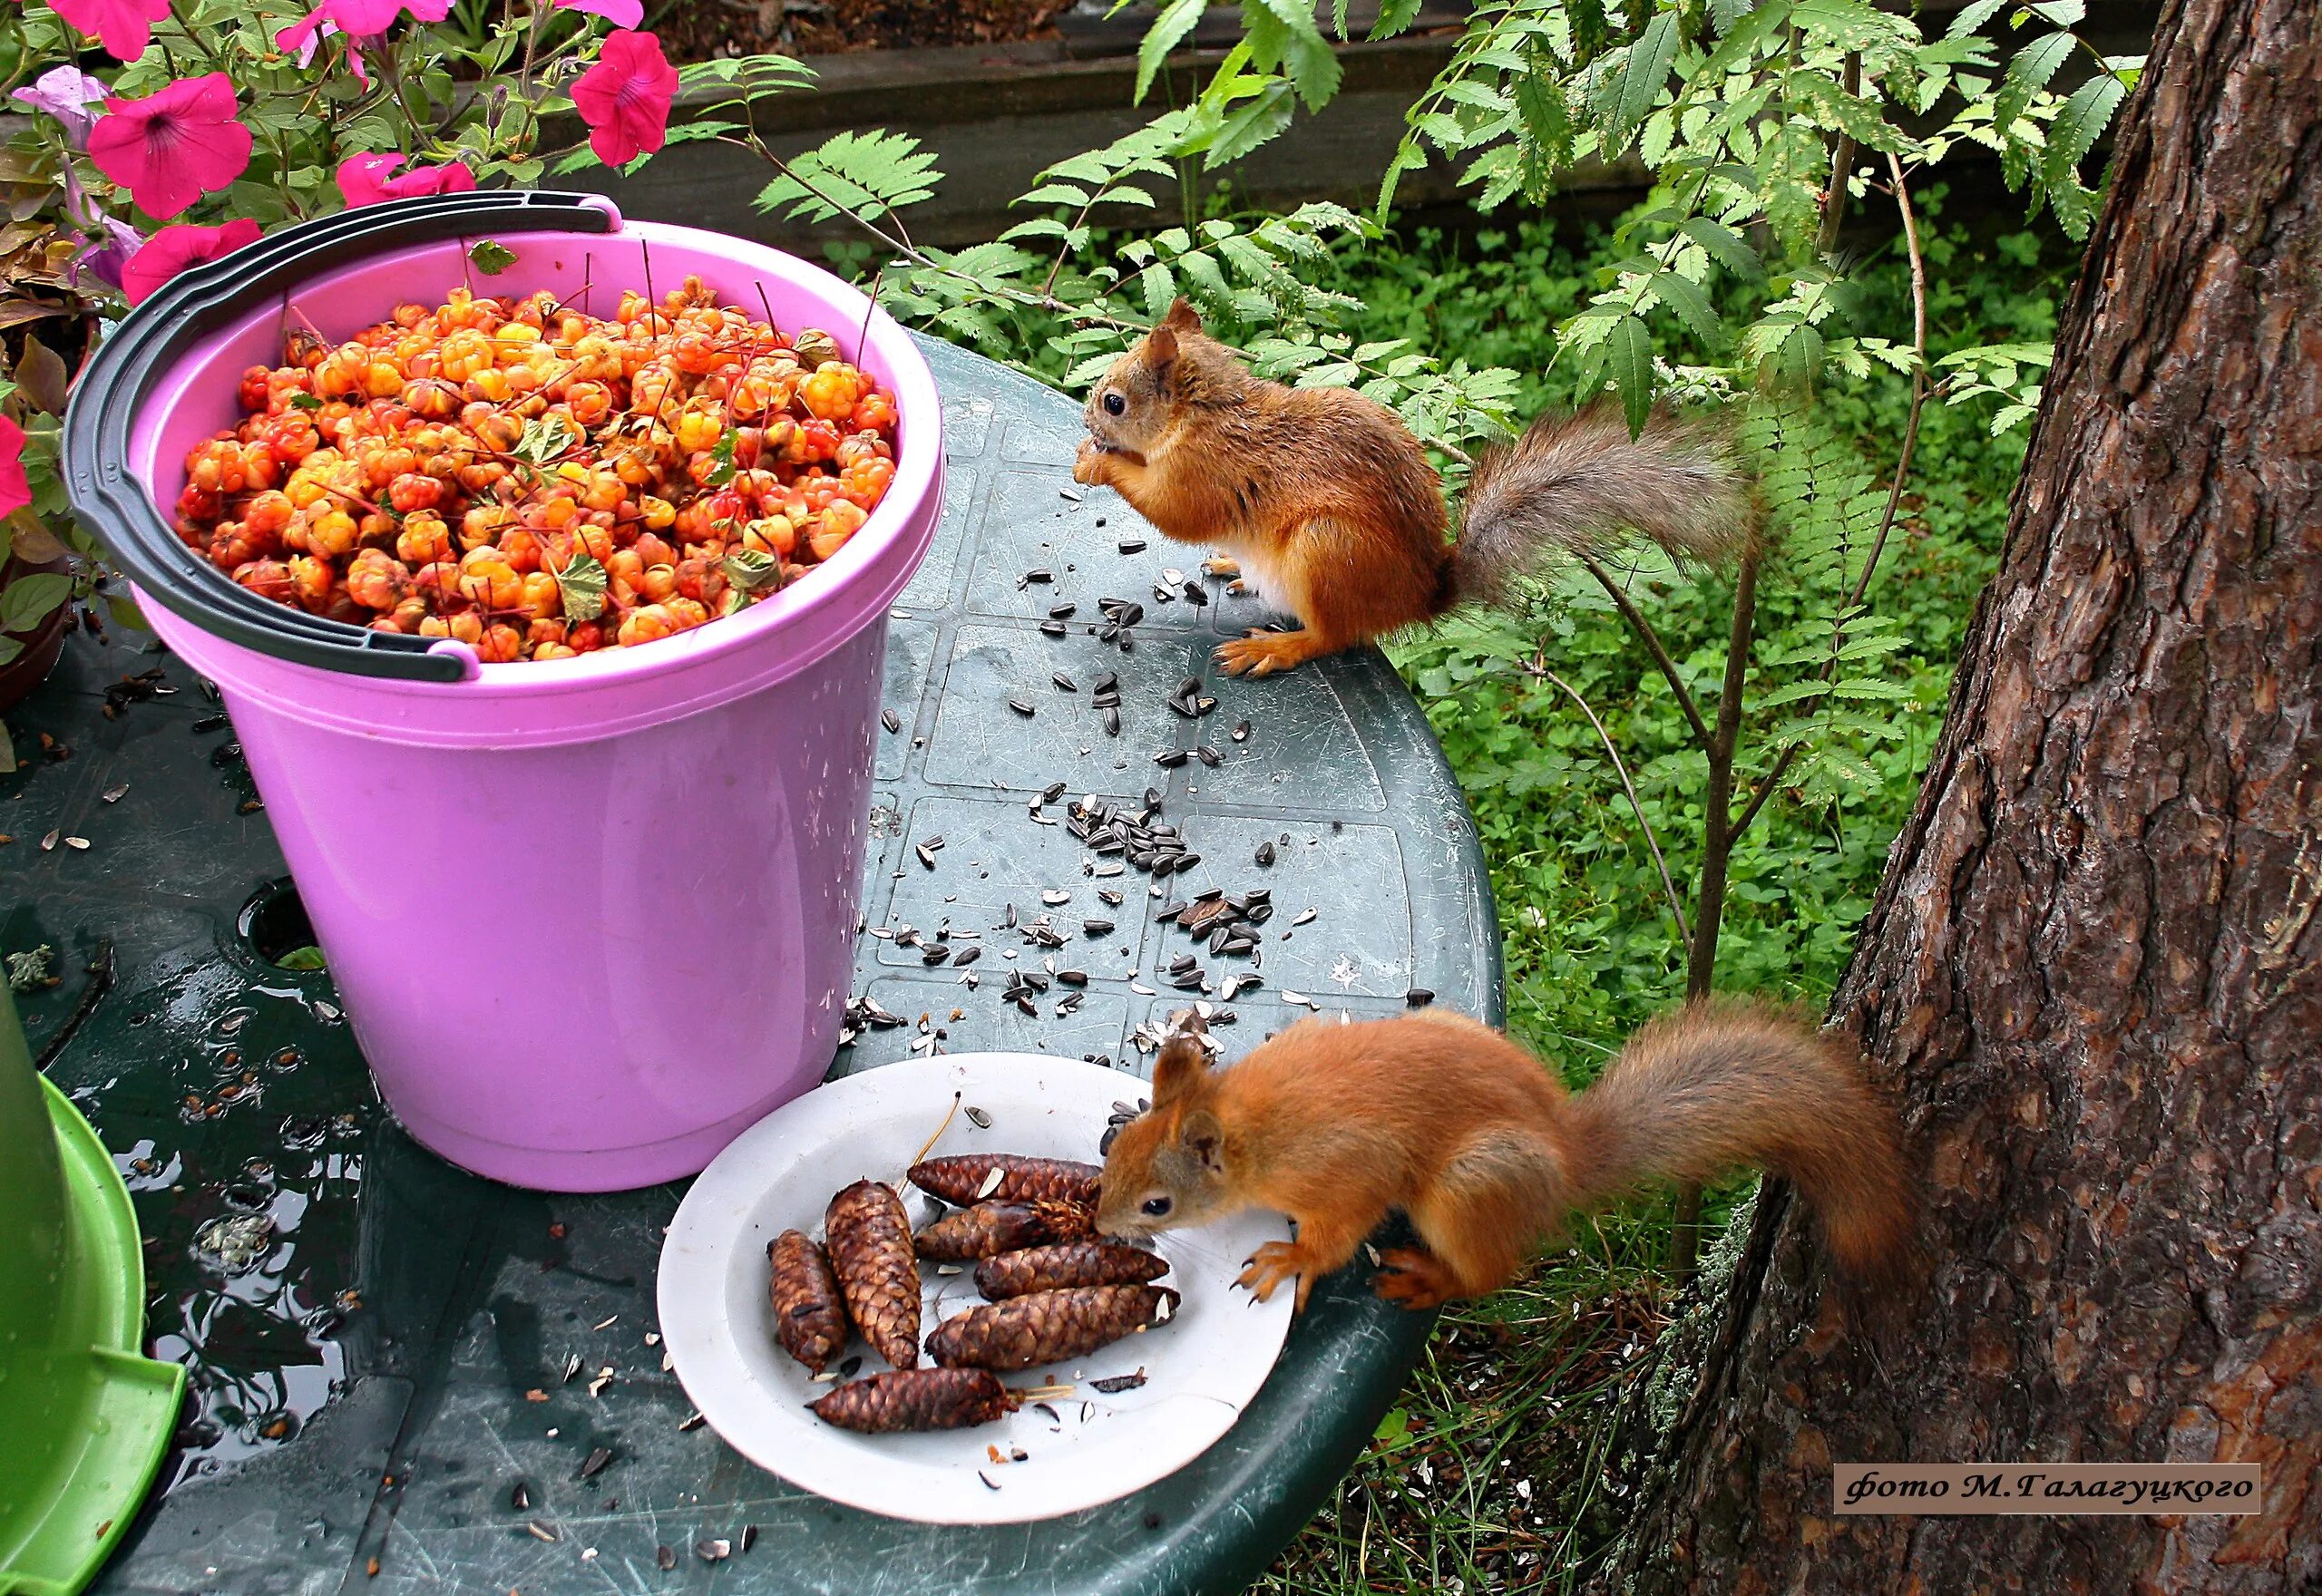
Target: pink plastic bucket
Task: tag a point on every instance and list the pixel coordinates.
(589, 918)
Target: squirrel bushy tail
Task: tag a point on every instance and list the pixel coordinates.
(1574, 483)
(1724, 1083)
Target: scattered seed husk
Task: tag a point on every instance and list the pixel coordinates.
(665, 1558)
(1117, 1384)
(870, 1248)
(891, 720)
(980, 1119)
(916, 1399)
(114, 795)
(543, 1531)
(1241, 731)
(1046, 1326)
(1020, 707)
(596, 1463)
(713, 1550)
(692, 1421)
(809, 1310)
(1419, 998)
(1064, 683)
(1054, 628)
(520, 1498)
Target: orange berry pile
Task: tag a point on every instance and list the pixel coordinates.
(538, 482)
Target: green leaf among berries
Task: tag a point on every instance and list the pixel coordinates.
(582, 585)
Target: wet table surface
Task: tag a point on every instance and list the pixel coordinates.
(391, 1365)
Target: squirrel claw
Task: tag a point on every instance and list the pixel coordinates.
(1416, 1279)
(1272, 1264)
(1263, 653)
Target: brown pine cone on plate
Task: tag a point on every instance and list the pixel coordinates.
(1048, 1326)
(1003, 1227)
(869, 1238)
(1065, 1265)
(916, 1399)
(961, 1180)
(809, 1314)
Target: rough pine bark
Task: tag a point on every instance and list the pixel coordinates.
(2093, 977)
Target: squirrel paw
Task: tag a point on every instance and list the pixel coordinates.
(1415, 1279)
(1087, 467)
(1274, 1263)
(1260, 654)
(1220, 565)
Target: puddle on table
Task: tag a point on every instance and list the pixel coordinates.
(245, 1155)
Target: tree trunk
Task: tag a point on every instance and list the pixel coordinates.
(2093, 977)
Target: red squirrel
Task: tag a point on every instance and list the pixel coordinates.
(1472, 1138)
(1327, 505)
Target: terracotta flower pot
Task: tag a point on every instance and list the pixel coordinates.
(41, 646)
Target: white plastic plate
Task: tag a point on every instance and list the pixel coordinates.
(1201, 1369)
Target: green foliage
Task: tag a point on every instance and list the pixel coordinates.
(1590, 949)
(868, 175)
(1049, 297)
(1756, 120)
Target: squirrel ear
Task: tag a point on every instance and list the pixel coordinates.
(1201, 1134)
(1183, 317)
(1160, 347)
(1182, 1067)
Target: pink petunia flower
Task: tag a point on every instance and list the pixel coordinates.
(66, 92)
(15, 492)
(365, 180)
(170, 149)
(625, 97)
(124, 27)
(621, 14)
(357, 20)
(172, 250)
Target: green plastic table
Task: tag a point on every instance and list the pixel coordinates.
(412, 1366)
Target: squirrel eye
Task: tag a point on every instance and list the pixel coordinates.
(1156, 1206)
(1115, 404)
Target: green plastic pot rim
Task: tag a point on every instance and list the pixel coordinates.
(127, 1452)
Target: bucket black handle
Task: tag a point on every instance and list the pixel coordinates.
(130, 364)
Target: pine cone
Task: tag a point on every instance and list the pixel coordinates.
(1048, 1326)
(869, 1238)
(959, 1179)
(916, 1399)
(1003, 1227)
(809, 1317)
(1065, 1265)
